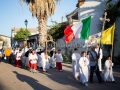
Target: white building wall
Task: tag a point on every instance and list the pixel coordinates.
(92, 8)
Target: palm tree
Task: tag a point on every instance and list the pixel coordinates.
(42, 9)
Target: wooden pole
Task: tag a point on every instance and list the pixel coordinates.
(112, 50)
(46, 46)
(104, 20)
(87, 48)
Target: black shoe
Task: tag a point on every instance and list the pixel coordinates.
(113, 81)
(100, 81)
(91, 81)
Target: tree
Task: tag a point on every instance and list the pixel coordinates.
(57, 30)
(113, 13)
(22, 34)
(42, 9)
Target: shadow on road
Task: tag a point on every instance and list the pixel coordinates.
(31, 81)
(66, 78)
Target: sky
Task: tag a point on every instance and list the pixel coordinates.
(13, 14)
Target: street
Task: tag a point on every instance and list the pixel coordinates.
(14, 78)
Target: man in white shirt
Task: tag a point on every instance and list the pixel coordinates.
(59, 60)
(93, 65)
(100, 54)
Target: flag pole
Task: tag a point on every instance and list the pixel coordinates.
(87, 48)
(112, 50)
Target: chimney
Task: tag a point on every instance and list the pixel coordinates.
(80, 2)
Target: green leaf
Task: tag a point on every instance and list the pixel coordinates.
(22, 34)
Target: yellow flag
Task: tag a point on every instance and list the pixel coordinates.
(108, 36)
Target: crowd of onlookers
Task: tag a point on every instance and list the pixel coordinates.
(32, 59)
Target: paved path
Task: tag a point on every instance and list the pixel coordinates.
(13, 78)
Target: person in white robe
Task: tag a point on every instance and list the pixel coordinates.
(99, 52)
(59, 59)
(75, 63)
(45, 61)
(17, 50)
(39, 62)
(33, 61)
(18, 59)
(25, 59)
(88, 57)
(83, 63)
(108, 72)
(52, 59)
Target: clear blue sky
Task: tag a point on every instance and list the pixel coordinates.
(12, 14)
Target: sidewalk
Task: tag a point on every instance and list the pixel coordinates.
(13, 78)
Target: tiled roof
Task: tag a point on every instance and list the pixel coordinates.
(4, 36)
(32, 30)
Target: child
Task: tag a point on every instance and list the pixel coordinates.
(33, 61)
(83, 63)
(45, 61)
(59, 59)
(75, 63)
(18, 59)
(108, 72)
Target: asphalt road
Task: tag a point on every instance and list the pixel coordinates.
(14, 78)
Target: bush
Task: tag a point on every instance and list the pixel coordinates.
(67, 59)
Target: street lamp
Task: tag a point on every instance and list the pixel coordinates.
(26, 22)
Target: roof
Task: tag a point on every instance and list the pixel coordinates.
(74, 14)
(5, 36)
(32, 30)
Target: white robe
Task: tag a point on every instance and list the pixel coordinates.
(100, 57)
(18, 57)
(108, 73)
(83, 63)
(39, 62)
(33, 58)
(45, 62)
(89, 64)
(75, 64)
(53, 61)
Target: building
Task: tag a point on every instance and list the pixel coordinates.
(21, 42)
(84, 9)
(7, 41)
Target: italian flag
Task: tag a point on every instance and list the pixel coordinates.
(78, 30)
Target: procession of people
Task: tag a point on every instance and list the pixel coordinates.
(84, 64)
